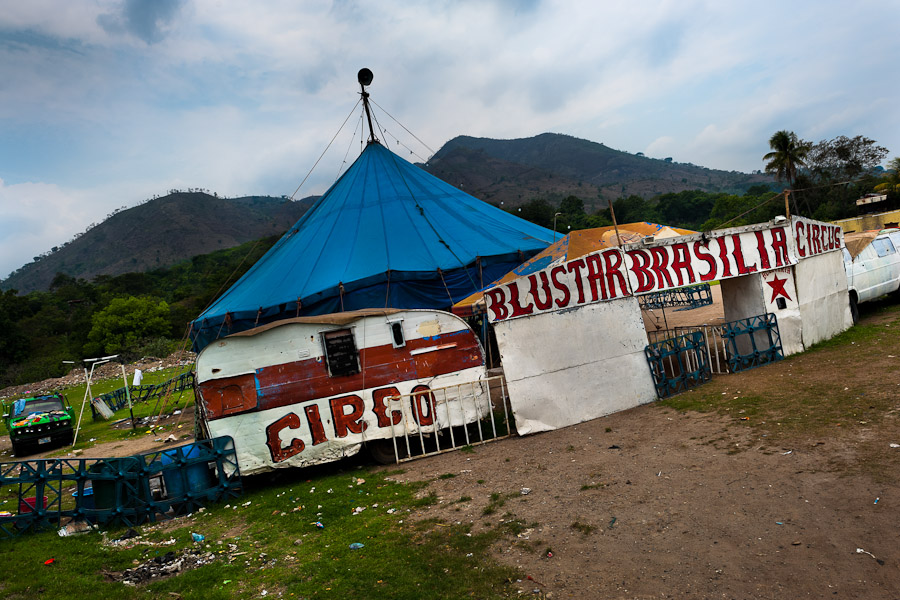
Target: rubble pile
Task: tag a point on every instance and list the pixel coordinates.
(166, 565)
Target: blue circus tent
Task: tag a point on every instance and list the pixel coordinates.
(386, 234)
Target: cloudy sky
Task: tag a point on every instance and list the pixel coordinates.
(105, 103)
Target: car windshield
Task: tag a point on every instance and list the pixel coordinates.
(42, 405)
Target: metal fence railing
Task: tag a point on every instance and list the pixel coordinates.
(117, 399)
(61, 492)
(432, 421)
(731, 347)
(752, 342)
(683, 298)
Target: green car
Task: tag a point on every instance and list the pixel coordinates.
(39, 422)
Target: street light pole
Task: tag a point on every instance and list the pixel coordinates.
(554, 226)
(87, 390)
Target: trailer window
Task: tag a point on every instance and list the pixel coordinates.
(341, 353)
(397, 334)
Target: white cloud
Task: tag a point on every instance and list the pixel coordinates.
(661, 147)
(108, 103)
(34, 217)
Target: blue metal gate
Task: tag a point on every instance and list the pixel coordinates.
(752, 342)
(119, 491)
(679, 363)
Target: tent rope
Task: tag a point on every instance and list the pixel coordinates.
(441, 273)
(225, 320)
(359, 126)
(326, 148)
(404, 129)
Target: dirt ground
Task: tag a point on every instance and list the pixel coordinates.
(657, 503)
(659, 507)
(712, 314)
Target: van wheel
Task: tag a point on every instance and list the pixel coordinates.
(20, 449)
(854, 309)
(382, 451)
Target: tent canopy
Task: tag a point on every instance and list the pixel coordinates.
(386, 234)
(575, 244)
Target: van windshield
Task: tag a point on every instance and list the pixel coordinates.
(44, 404)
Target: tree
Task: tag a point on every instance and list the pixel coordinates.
(844, 158)
(891, 181)
(634, 208)
(788, 153)
(125, 322)
(538, 211)
(572, 206)
(13, 341)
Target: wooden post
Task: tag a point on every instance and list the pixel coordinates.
(612, 214)
(787, 207)
(128, 396)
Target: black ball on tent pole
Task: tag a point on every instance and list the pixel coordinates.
(365, 78)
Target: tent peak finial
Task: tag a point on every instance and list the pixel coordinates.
(365, 77)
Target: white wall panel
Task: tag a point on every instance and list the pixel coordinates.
(575, 365)
(822, 291)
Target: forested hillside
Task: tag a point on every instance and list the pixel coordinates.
(134, 314)
(159, 233)
(554, 166)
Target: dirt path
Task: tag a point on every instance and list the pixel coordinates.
(655, 503)
(650, 503)
(713, 314)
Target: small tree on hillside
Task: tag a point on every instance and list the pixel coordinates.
(125, 322)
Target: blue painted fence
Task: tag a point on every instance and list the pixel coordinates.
(124, 491)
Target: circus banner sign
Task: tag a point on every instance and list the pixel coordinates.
(640, 269)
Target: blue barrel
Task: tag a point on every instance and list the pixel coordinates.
(195, 478)
(87, 498)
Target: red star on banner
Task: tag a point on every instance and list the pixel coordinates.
(778, 288)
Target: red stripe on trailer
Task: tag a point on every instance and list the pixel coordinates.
(307, 380)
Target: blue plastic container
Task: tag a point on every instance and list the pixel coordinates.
(195, 478)
(87, 499)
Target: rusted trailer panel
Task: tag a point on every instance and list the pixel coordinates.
(314, 389)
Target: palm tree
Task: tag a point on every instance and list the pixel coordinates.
(788, 153)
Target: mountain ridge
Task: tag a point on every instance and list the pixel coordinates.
(555, 165)
(507, 173)
(160, 232)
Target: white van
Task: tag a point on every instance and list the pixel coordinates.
(872, 263)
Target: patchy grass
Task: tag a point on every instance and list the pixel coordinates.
(268, 541)
(842, 382)
(497, 500)
(593, 486)
(583, 528)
